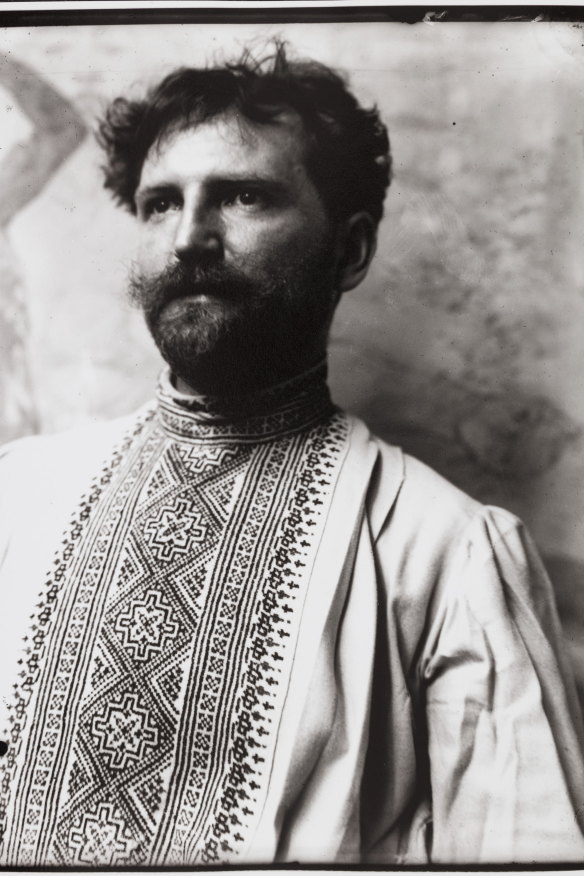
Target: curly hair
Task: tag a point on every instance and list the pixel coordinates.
(348, 155)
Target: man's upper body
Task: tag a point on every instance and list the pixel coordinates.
(252, 631)
(281, 640)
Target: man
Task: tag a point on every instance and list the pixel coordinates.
(267, 636)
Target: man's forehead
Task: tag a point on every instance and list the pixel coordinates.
(230, 139)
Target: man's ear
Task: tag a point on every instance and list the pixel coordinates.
(357, 242)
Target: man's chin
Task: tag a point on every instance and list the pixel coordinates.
(192, 333)
(205, 362)
(217, 355)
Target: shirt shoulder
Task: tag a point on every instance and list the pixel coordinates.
(82, 437)
(412, 494)
(39, 469)
(434, 544)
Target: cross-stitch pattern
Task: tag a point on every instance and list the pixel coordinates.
(146, 735)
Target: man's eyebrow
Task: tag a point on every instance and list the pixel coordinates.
(246, 178)
(229, 182)
(147, 191)
(216, 181)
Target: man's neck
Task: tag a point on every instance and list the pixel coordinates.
(249, 385)
(287, 405)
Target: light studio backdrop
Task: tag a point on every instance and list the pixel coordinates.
(464, 345)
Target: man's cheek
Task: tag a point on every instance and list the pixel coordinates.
(269, 239)
(154, 252)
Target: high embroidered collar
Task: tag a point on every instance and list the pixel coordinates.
(287, 407)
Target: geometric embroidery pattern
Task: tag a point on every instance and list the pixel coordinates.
(174, 530)
(124, 731)
(146, 720)
(100, 838)
(213, 457)
(146, 626)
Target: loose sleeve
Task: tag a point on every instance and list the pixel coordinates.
(504, 730)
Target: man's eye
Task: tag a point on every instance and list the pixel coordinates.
(246, 198)
(159, 206)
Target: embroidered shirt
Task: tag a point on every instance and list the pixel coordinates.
(267, 636)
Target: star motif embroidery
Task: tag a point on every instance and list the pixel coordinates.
(124, 731)
(145, 628)
(174, 530)
(98, 839)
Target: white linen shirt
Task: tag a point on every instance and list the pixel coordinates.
(429, 715)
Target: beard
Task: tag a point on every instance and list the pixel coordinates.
(222, 331)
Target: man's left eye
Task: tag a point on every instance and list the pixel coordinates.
(246, 198)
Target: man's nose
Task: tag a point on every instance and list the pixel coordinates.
(198, 233)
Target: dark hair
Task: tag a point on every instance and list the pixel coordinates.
(347, 157)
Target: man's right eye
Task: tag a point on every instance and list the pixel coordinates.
(159, 206)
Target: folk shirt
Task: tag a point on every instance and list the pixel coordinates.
(252, 632)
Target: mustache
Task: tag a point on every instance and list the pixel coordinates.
(181, 280)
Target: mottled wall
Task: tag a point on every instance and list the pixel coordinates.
(464, 344)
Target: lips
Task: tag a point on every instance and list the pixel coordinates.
(184, 305)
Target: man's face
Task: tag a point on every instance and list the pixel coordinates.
(236, 270)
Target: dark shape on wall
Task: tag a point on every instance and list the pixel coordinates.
(516, 435)
(57, 131)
